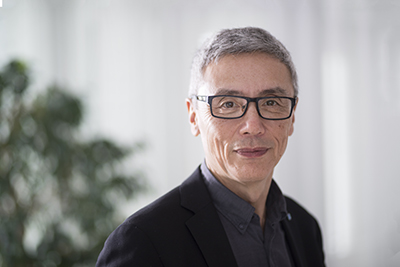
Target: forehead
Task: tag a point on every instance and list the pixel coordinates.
(247, 74)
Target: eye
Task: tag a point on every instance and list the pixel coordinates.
(229, 104)
(270, 102)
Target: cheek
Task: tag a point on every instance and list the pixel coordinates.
(285, 129)
(281, 136)
(215, 137)
(218, 139)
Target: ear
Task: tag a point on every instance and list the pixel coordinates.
(192, 112)
(292, 119)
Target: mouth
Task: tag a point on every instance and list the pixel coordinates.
(252, 152)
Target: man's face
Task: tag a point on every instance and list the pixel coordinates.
(243, 150)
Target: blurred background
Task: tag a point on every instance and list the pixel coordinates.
(127, 64)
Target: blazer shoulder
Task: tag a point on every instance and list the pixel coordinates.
(304, 233)
(302, 220)
(295, 209)
(179, 204)
(166, 204)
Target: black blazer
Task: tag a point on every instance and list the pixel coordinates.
(182, 229)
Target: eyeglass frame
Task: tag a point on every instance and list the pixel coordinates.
(208, 99)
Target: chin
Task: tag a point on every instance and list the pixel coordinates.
(246, 177)
(259, 168)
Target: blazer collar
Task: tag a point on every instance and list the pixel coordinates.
(205, 225)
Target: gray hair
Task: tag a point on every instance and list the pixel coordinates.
(238, 41)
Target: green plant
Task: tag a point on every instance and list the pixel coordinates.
(58, 195)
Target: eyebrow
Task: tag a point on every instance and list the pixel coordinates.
(265, 92)
(224, 91)
(274, 91)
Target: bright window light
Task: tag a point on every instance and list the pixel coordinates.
(335, 107)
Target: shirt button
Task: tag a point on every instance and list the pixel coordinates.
(241, 226)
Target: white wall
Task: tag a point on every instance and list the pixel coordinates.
(130, 61)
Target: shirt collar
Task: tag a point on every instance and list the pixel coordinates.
(238, 211)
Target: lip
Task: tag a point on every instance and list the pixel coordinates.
(255, 152)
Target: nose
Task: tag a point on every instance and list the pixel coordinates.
(253, 124)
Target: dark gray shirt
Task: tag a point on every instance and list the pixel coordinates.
(250, 245)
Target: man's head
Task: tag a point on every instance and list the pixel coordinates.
(234, 42)
(250, 96)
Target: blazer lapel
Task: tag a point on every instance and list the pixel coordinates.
(211, 238)
(205, 225)
(290, 238)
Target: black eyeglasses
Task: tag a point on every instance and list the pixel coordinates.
(234, 107)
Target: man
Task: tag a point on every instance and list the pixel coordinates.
(230, 212)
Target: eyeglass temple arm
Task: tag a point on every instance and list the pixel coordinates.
(200, 97)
